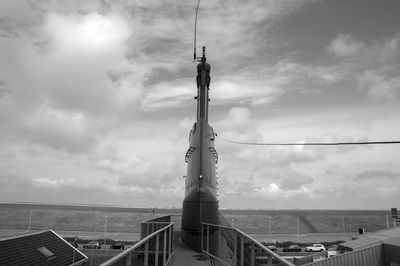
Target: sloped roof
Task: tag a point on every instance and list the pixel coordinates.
(373, 239)
(394, 241)
(39, 248)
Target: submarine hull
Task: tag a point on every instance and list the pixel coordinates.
(191, 228)
(200, 204)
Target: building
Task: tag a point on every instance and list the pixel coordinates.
(371, 240)
(39, 248)
(376, 249)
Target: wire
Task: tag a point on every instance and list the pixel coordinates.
(312, 143)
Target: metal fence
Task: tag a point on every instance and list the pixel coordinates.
(232, 247)
(154, 248)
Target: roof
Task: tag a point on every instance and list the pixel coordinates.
(39, 248)
(373, 239)
(394, 241)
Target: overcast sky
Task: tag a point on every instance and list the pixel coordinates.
(96, 101)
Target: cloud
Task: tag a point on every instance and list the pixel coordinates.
(96, 102)
(13, 179)
(229, 89)
(169, 95)
(285, 184)
(291, 180)
(80, 64)
(381, 54)
(286, 72)
(46, 182)
(377, 174)
(378, 86)
(224, 91)
(345, 45)
(254, 86)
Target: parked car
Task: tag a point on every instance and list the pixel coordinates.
(315, 247)
(117, 245)
(92, 244)
(273, 248)
(292, 248)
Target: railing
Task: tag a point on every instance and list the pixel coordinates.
(156, 245)
(188, 153)
(150, 226)
(214, 153)
(232, 247)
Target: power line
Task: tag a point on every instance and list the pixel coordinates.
(312, 143)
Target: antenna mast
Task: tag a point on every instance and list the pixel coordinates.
(195, 58)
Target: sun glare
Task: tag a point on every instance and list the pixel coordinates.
(91, 32)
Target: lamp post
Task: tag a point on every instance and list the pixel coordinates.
(96, 233)
(30, 219)
(270, 225)
(344, 229)
(351, 224)
(105, 230)
(387, 221)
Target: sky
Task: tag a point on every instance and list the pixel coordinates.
(96, 101)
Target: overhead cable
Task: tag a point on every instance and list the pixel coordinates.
(312, 143)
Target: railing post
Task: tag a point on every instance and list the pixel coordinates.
(202, 236)
(208, 238)
(269, 260)
(128, 260)
(241, 251)
(165, 247)
(147, 229)
(219, 236)
(146, 253)
(235, 250)
(170, 241)
(253, 255)
(156, 253)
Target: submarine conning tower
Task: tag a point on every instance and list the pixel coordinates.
(200, 202)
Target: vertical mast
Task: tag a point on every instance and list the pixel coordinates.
(203, 83)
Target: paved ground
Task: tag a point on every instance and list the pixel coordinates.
(304, 238)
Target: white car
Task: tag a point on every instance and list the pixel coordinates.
(315, 247)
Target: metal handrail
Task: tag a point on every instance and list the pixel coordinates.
(127, 254)
(188, 153)
(214, 154)
(270, 254)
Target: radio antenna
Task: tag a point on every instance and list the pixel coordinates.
(195, 30)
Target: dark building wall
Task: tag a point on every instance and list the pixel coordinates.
(392, 254)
